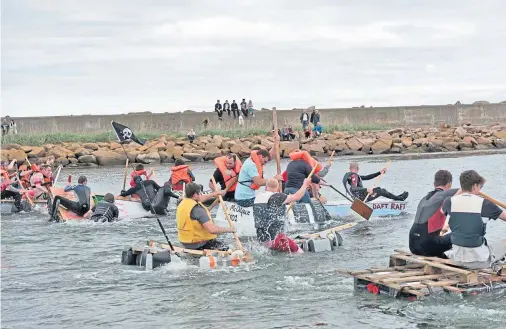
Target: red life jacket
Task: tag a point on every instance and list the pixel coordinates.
(136, 173)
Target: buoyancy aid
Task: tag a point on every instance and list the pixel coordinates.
(189, 230)
(137, 173)
(5, 184)
(256, 161)
(228, 174)
(178, 174)
(304, 155)
(4, 174)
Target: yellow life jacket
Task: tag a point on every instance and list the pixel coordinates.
(189, 230)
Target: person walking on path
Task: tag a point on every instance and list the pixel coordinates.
(304, 119)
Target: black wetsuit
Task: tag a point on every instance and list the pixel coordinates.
(81, 206)
(13, 192)
(146, 190)
(162, 198)
(353, 185)
(105, 212)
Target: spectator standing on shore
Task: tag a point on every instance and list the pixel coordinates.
(315, 117)
(217, 108)
(5, 127)
(317, 130)
(226, 107)
(13, 127)
(235, 108)
(304, 119)
(244, 108)
(250, 108)
(191, 135)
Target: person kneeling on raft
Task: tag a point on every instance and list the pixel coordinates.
(352, 182)
(195, 226)
(162, 198)
(468, 217)
(104, 211)
(146, 190)
(269, 214)
(297, 171)
(81, 206)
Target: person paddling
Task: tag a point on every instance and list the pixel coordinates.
(83, 194)
(105, 211)
(269, 214)
(468, 216)
(352, 182)
(180, 175)
(424, 236)
(195, 226)
(228, 167)
(297, 170)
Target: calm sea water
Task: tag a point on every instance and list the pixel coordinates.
(70, 276)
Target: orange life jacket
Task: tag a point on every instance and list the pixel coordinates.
(34, 167)
(136, 173)
(228, 174)
(260, 168)
(180, 173)
(4, 174)
(304, 155)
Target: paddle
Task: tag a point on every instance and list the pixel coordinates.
(489, 198)
(125, 174)
(232, 182)
(330, 159)
(360, 207)
(342, 194)
(57, 174)
(276, 145)
(222, 203)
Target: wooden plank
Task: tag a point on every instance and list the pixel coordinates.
(386, 269)
(415, 278)
(393, 275)
(422, 285)
(453, 289)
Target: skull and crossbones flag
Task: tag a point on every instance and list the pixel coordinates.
(125, 134)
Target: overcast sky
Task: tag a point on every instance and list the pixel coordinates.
(117, 56)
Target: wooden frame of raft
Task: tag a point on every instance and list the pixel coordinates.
(415, 276)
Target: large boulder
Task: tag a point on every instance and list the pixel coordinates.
(288, 147)
(483, 141)
(399, 131)
(152, 157)
(354, 144)
(166, 157)
(109, 158)
(37, 152)
(421, 141)
(470, 140)
(381, 146)
(193, 157)
(500, 143)
(336, 145)
(61, 152)
(213, 154)
(500, 134)
(62, 160)
(268, 145)
(451, 146)
(236, 148)
(91, 146)
(406, 141)
(316, 149)
(461, 132)
(367, 141)
(87, 159)
(114, 145)
(17, 154)
(81, 151)
(27, 149)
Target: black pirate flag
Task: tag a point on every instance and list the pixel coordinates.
(125, 134)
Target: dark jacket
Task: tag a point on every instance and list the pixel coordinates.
(105, 211)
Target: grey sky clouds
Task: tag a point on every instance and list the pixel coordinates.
(117, 56)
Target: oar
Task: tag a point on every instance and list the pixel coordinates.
(342, 194)
(330, 159)
(309, 176)
(125, 174)
(360, 207)
(276, 145)
(222, 203)
(57, 174)
(232, 182)
(489, 198)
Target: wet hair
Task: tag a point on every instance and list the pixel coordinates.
(264, 153)
(82, 179)
(109, 198)
(139, 167)
(191, 189)
(442, 178)
(468, 179)
(179, 162)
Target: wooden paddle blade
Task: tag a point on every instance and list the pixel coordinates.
(362, 209)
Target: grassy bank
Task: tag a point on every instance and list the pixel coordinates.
(60, 137)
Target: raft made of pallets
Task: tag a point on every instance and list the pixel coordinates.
(415, 277)
(327, 240)
(156, 254)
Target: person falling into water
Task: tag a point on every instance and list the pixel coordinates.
(162, 198)
(468, 216)
(105, 211)
(195, 226)
(352, 182)
(146, 190)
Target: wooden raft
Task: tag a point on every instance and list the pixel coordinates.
(415, 276)
(63, 213)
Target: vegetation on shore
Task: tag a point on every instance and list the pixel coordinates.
(36, 139)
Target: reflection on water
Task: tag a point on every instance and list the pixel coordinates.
(69, 275)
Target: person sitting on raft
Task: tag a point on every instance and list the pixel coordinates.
(424, 236)
(10, 188)
(251, 176)
(180, 175)
(195, 226)
(162, 198)
(298, 170)
(140, 171)
(83, 194)
(228, 167)
(105, 211)
(352, 182)
(468, 217)
(41, 180)
(269, 214)
(146, 190)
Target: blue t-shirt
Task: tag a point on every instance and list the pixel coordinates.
(248, 171)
